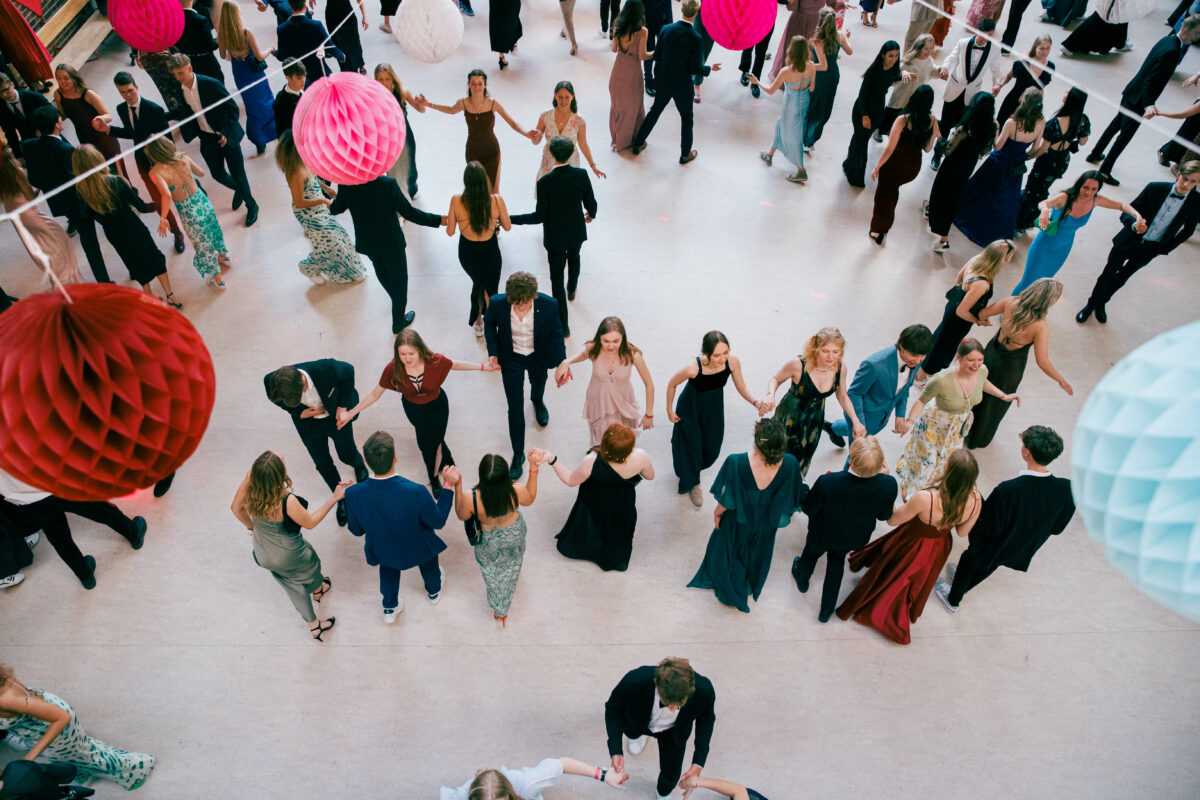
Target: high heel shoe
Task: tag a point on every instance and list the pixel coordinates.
(321, 630)
(503, 63)
(502, 620)
(877, 238)
(319, 594)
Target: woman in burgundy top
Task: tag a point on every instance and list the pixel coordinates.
(417, 374)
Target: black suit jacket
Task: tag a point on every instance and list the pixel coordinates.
(299, 35)
(1152, 77)
(1148, 202)
(32, 781)
(223, 119)
(549, 350)
(373, 206)
(284, 107)
(843, 509)
(334, 381)
(198, 35)
(629, 707)
(18, 128)
(48, 162)
(678, 56)
(563, 195)
(151, 119)
(1017, 519)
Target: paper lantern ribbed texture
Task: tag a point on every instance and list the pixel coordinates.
(348, 128)
(101, 396)
(739, 24)
(429, 30)
(1136, 467)
(149, 25)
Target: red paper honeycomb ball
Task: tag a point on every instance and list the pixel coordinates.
(102, 396)
(148, 25)
(348, 128)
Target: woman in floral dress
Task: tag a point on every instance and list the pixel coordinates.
(563, 120)
(173, 173)
(333, 256)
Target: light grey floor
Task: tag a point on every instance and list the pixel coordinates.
(1062, 683)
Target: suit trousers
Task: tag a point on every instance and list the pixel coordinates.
(156, 199)
(1123, 261)
(652, 31)
(389, 581)
(391, 268)
(835, 567)
(1015, 12)
(608, 14)
(855, 165)
(563, 260)
(316, 436)
(967, 576)
(512, 374)
(682, 97)
(760, 56)
(1172, 151)
(1123, 129)
(218, 157)
(952, 112)
(670, 760)
(85, 225)
(50, 515)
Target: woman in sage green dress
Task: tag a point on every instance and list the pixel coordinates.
(499, 537)
(175, 175)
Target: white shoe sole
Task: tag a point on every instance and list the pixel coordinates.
(636, 746)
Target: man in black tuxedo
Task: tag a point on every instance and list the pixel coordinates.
(219, 130)
(15, 107)
(1143, 90)
(658, 16)
(1016, 520)
(665, 702)
(289, 96)
(199, 43)
(843, 509)
(48, 163)
(301, 34)
(565, 204)
(679, 54)
(318, 394)
(376, 208)
(140, 120)
(523, 335)
(1170, 212)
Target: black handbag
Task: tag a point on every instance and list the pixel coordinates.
(473, 528)
(256, 64)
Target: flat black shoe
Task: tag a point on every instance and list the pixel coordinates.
(1095, 158)
(164, 486)
(361, 476)
(637, 148)
(515, 469)
(824, 616)
(406, 321)
(139, 533)
(802, 585)
(566, 332)
(342, 516)
(1109, 179)
(1101, 315)
(90, 582)
(1084, 314)
(838, 441)
(260, 148)
(1162, 159)
(251, 215)
(571, 294)
(541, 414)
(179, 243)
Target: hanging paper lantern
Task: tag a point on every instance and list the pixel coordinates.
(348, 128)
(1136, 468)
(429, 30)
(147, 25)
(739, 24)
(101, 396)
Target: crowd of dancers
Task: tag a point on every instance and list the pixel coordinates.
(963, 387)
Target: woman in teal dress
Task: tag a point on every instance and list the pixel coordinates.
(756, 492)
(797, 80)
(829, 41)
(333, 256)
(45, 725)
(1061, 216)
(173, 174)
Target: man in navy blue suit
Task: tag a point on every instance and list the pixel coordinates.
(524, 335)
(398, 519)
(881, 384)
(679, 57)
(16, 106)
(301, 34)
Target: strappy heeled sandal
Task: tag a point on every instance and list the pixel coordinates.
(321, 630)
(326, 585)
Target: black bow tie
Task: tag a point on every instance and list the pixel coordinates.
(1178, 196)
(661, 704)
(903, 368)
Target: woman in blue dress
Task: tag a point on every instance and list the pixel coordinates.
(239, 47)
(1061, 216)
(797, 78)
(987, 210)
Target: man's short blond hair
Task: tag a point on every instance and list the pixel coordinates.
(866, 457)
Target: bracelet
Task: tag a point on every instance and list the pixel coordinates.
(553, 461)
(597, 775)
(603, 775)
(649, 416)
(533, 470)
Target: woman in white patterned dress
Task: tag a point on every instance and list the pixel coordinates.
(563, 120)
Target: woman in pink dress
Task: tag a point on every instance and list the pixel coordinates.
(984, 9)
(626, 84)
(610, 392)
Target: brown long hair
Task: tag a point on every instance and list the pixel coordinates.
(1034, 303)
(397, 87)
(1029, 112)
(287, 156)
(162, 151)
(75, 77)
(269, 484)
(956, 486)
(477, 197)
(13, 182)
(612, 325)
(413, 339)
(98, 190)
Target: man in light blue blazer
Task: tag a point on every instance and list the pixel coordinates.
(882, 382)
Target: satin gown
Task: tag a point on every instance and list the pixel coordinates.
(987, 210)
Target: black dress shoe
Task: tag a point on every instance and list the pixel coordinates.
(571, 294)
(179, 243)
(139, 533)
(802, 585)
(406, 321)
(1095, 158)
(237, 200)
(637, 148)
(1101, 315)
(164, 486)
(90, 581)
(541, 414)
(251, 215)
(342, 516)
(838, 441)
(1109, 179)
(1162, 159)
(515, 470)
(359, 477)
(824, 616)
(755, 90)
(650, 91)
(745, 79)
(1084, 314)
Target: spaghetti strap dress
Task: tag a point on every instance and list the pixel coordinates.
(129, 236)
(821, 97)
(1005, 364)
(696, 439)
(257, 97)
(610, 399)
(482, 144)
(500, 552)
(1049, 251)
(626, 90)
(333, 254)
(802, 412)
(601, 523)
(81, 113)
(903, 167)
(987, 210)
(199, 220)
(789, 128)
(953, 328)
(282, 550)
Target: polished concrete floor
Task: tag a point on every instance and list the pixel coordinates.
(1061, 683)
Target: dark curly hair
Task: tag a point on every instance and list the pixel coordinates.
(770, 440)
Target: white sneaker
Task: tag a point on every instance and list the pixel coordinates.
(942, 590)
(389, 614)
(437, 596)
(32, 540)
(636, 746)
(11, 581)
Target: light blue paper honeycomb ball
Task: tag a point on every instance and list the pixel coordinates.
(1136, 467)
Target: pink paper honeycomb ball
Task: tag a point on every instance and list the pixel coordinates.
(348, 128)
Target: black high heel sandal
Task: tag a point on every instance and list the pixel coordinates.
(319, 594)
(172, 302)
(321, 630)
(503, 63)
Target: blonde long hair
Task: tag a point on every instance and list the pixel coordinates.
(97, 189)
(1034, 303)
(231, 33)
(918, 45)
(162, 151)
(269, 484)
(988, 262)
(820, 339)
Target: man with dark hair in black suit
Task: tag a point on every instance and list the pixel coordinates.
(140, 120)
(301, 34)
(289, 96)
(15, 107)
(1143, 90)
(658, 16)
(376, 208)
(48, 163)
(1170, 212)
(318, 394)
(199, 43)
(1016, 520)
(565, 204)
(680, 57)
(665, 701)
(219, 131)
(523, 335)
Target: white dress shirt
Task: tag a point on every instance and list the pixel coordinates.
(901, 376)
(1032, 473)
(311, 397)
(191, 96)
(522, 332)
(18, 492)
(662, 717)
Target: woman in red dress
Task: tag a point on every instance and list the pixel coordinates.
(904, 564)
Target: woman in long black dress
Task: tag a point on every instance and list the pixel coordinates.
(112, 202)
(867, 114)
(825, 84)
(504, 28)
(1065, 133)
(699, 418)
(601, 523)
(756, 492)
(479, 215)
(1096, 34)
(1036, 74)
(969, 141)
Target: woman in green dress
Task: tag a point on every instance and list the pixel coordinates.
(175, 175)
